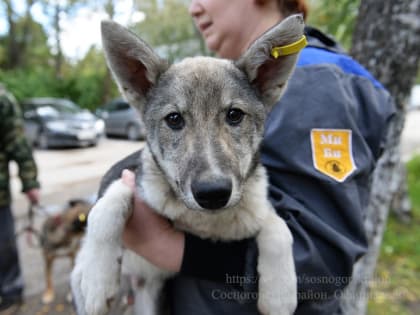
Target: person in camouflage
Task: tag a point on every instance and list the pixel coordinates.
(13, 146)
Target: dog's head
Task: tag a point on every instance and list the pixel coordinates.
(204, 116)
(60, 230)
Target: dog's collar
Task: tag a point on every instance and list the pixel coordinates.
(290, 49)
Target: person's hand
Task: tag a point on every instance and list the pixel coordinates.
(150, 235)
(33, 195)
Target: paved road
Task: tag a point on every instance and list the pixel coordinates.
(66, 174)
(410, 141)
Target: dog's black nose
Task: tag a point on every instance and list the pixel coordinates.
(212, 194)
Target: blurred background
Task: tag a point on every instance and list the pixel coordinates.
(51, 60)
(52, 47)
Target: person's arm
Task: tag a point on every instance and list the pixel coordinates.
(151, 235)
(16, 147)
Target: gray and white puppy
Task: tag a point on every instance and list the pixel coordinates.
(200, 168)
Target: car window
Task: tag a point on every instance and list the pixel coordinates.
(47, 111)
(66, 107)
(28, 108)
(110, 107)
(52, 107)
(122, 106)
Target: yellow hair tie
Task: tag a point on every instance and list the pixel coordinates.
(290, 49)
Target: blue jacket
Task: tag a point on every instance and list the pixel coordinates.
(321, 144)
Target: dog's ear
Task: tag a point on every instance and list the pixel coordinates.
(268, 71)
(133, 63)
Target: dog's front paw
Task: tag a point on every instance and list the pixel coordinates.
(95, 282)
(277, 283)
(48, 296)
(272, 304)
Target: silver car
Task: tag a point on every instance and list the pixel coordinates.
(121, 120)
(56, 122)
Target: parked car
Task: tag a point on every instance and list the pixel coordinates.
(56, 122)
(121, 120)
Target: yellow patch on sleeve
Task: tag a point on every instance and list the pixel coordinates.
(332, 152)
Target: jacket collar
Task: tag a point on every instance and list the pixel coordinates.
(320, 40)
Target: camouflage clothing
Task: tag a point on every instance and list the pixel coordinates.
(14, 146)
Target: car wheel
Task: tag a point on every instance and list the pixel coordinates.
(43, 141)
(133, 132)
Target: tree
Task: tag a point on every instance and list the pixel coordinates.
(169, 28)
(109, 6)
(387, 41)
(19, 33)
(337, 20)
(56, 9)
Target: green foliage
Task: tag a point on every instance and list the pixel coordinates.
(37, 53)
(169, 29)
(413, 170)
(399, 261)
(82, 83)
(33, 46)
(33, 83)
(335, 18)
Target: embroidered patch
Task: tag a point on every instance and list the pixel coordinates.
(332, 152)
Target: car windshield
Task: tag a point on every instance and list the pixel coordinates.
(58, 109)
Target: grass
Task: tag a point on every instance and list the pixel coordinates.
(398, 292)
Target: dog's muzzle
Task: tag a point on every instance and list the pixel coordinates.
(213, 194)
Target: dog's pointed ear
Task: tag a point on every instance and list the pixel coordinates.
(133, 63)
(269, 66)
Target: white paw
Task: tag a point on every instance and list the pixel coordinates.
(95, 281)
(277, 297)
(276, 306)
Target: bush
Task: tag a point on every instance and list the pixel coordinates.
(83, 89)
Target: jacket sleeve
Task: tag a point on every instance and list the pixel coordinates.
(15, 143)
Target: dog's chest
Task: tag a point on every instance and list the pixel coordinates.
(230, 224)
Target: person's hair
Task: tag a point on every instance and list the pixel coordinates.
(288, 7)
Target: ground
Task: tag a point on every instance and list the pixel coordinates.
(397, 291)
(64, 174)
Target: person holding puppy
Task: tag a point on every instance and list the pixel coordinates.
(13, 146)
(320, 147)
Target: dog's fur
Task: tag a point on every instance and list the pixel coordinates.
(202, 153)
(60, 237)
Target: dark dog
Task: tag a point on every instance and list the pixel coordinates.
(60, 237)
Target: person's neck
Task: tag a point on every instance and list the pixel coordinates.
(267, 21)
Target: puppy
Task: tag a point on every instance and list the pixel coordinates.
(204, 119)
(60, 237)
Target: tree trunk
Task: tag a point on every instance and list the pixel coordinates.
(12, 41)
(386, 40)
(26, 34)
(59, 53)
(401, 203)
(107, 81)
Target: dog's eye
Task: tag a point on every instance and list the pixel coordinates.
(234, 116)
(175, 121)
